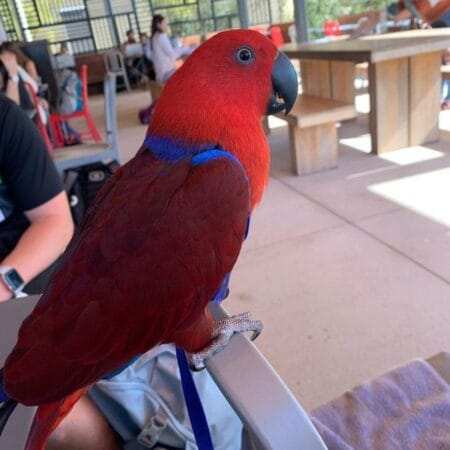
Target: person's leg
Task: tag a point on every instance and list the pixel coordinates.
(84, 428)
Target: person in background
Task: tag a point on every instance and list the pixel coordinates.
(130, 37)
(427, 13)
(143, 38)
(446, 83)
(162, 52)
(35, 220)
(21, 74)
(23, 61)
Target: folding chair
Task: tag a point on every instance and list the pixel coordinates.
(115, 66)
(108, 150)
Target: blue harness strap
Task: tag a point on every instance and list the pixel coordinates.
(194, 405)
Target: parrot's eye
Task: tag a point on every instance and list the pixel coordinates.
(245, 55)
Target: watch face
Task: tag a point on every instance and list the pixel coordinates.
(13, 279)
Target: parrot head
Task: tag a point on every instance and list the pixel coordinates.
(219, 96)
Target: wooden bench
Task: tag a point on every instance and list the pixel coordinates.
(312, 132)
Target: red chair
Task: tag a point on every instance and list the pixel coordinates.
(56, 119)
(276, 34)
(332, 28)
(37, 117)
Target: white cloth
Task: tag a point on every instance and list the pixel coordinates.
(164, 55)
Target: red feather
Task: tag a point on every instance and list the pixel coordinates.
(211, 99)
(147, 262)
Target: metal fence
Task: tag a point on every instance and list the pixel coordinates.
(92, 25)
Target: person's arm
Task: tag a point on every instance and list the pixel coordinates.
(37, 190)
(12, 68)
(166, 46)
(437, 11)
(43, 242)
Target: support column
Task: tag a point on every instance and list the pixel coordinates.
(389, 105)
(243, 13)
(300, 20)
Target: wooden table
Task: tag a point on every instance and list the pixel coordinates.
(404, 81)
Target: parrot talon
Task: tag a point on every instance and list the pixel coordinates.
(223, 331)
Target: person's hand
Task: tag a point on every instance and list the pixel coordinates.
(9, 60)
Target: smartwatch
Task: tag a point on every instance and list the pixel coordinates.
(13, 281)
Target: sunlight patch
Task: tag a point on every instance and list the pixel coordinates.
(361, 143)
(426, 194)
(411, 155)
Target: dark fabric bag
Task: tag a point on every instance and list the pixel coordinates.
(82, 185)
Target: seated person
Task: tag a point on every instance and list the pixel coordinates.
(163, 54)
(21, 72)
(143, 38)
(11, 85)
(131, 39)
(35, 220)
(426, 12)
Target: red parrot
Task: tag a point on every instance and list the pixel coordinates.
(162, 236)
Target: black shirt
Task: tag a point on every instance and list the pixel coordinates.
(28, 177)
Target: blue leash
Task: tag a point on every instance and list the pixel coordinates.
(194, 405)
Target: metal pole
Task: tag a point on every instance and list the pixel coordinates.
(243, 13)
(300, 20)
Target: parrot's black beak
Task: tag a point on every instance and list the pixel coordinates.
(284, 86)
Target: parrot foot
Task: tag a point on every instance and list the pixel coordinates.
(223, 332)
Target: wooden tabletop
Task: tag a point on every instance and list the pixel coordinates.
(376, 48)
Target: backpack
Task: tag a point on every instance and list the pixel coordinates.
(71, 98)
(144, 404)
(82, 185)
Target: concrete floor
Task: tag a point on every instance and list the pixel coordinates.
(349, 269)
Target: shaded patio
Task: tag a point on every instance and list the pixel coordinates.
(350, 268)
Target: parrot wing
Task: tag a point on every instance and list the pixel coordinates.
(152, 253)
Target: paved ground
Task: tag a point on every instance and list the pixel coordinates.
(349, 269)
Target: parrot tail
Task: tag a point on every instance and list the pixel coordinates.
(47, 419)
(7, 405)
